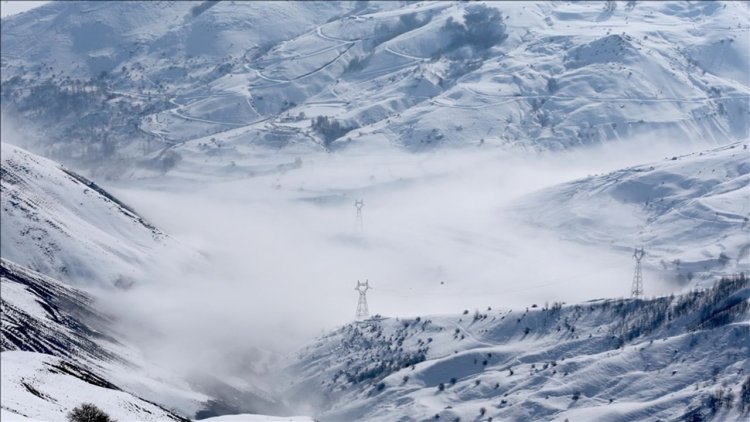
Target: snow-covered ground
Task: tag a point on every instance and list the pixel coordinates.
(457, 202)
(65, 226)
(691, 212)
(57, 224)
(509, 154)
(614, 360)
(42, 387)
(59, 350)
(524, 76)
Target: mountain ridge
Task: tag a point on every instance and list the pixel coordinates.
(548, 361)
(546, 76)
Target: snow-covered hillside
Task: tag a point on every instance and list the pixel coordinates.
(63, 237)
(245, 132)
(530, 76)
(40, 314)
(690, 212)
(58, 351)
(40, 387)
(65, 226)
(614, 360)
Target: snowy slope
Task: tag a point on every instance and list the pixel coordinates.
(45, 388)
(42, 315)
(91, 37)
(46, 324)
(64, 237)
(690, 212)
(58, 223)
(614, 360)
(58, 351)
(209, 91)
(533, 76)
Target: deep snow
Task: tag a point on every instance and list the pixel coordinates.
(504, 164)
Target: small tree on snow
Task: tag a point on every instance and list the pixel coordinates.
(88, 412)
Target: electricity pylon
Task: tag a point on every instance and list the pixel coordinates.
(362, 288)
(359, 204)
(637, 289)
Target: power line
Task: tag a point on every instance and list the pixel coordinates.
(359, 204)
(637, 290)
(362, 288)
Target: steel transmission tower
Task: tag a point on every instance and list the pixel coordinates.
(637, 289)
(359, 204)
(362, 288)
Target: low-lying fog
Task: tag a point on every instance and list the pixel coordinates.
(282, 253)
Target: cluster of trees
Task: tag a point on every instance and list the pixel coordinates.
(702, 309)
(378, 356)
(721, 398)
(720, 306)
(744, 402)
(482, 28)
(88, 121)
(330, 129)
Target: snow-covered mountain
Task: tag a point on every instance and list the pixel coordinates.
(64, 237)
(691, 212)
(249, 128)
(57, 352)
(65, 226)
(614, 360)
(531, 76)
(60, 350)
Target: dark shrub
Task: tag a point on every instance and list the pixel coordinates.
(87, 412)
